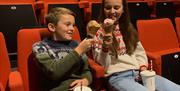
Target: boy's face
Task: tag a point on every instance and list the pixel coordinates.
(113, 9)
(64, 29)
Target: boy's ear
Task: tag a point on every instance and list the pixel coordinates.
(51, 27)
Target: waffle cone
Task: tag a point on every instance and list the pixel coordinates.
(92, 28)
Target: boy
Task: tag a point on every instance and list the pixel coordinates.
(62, 59)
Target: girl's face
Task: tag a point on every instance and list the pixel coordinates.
(64, 29)
(113, 9)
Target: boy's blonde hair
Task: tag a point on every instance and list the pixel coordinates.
(53, 15)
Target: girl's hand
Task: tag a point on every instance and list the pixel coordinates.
(107, 40)
(143, 68)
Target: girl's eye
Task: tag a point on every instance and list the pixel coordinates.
(108, 7)
(117, 7)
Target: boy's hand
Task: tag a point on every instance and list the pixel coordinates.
(84, 46)
(80, 82)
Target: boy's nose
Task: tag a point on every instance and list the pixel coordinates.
(71, 28)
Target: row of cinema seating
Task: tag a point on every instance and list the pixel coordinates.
(157, 36)
(140, 9)
(18, 14)
(9, 80)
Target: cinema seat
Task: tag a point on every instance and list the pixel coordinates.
(14, 15)
(165, 9)
(9, 80)
(74, 5)
(139, 9)
(31, 76)
(92, 13)
(159, 39)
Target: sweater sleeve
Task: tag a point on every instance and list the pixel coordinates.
(55, 69)
(141, 55)
(86, 70)
(103, 58)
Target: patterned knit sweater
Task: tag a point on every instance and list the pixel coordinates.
(60, 63)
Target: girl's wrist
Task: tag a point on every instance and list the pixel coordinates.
(143, 67)
(105, 49)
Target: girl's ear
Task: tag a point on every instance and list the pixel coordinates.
(51, 27)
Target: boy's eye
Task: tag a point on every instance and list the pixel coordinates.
(68, 24)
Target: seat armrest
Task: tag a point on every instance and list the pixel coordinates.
(156, 61)
(98, 71)
(152, 56)
(99, 81)
(156, 58)
(15, 81)
(1, 87)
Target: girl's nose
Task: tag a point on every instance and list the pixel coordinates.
(112, 10)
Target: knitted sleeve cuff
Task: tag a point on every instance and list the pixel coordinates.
(142, 67)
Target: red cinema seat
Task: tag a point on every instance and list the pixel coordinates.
(159, 39)
(74, 5)
(14, 15)
(29, 73)
(9, 80)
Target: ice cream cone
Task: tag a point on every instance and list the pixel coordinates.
(92, 28)
(108, 25)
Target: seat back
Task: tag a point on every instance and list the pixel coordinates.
(162, 7)
(157, 35)
(177, 21)
(60, 1)
(17, 1)
(26, 38)
(177, 7)
(93, 11)
(139, 10)
(72, 5)
(5, 68)
(95, 7)
(14, 15)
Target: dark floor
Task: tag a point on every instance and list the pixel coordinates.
(13, 60)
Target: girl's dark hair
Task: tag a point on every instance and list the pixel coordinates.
(128, 31)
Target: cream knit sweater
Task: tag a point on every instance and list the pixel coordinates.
(119, 63)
